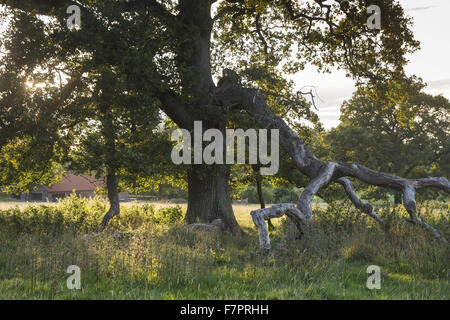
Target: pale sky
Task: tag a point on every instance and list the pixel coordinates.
(431, 27)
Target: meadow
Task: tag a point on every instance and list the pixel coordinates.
(147, 252)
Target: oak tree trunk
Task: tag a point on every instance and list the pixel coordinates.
(109, 133)
(208, 193)
(209, 196)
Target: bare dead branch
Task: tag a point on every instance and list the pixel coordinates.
(322, 173)
(276, 211)
(364, 207)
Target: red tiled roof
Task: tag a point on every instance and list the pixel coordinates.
(78, 183)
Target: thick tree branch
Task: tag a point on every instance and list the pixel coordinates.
(364, 207)
(276, 211)
(322, 179)
(173, 105)
(323, 173)
(228, 10)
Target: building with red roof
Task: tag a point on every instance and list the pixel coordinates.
(83, 186)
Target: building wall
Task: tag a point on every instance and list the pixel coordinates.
(40, 194)
(43, 195)
(124, 196)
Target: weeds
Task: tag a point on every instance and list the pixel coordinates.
(149, 253)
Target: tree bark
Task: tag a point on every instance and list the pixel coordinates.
(209, 196)
(364, 207)
(208, 193)
(113, 197)
(109, 134)
(397, 198)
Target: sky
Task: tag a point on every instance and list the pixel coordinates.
(431, 26)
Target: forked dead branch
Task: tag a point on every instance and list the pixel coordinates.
(321, 173)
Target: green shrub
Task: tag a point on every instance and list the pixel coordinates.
(81, 215)
(285, 194)
(169, 215)
(252, 195)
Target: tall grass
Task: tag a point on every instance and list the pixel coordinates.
(148, 252)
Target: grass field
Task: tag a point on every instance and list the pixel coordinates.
(148, 253)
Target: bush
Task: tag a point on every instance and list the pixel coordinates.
(80, 215)
(252, 195)
(341, 231)
(285, 194)
(169, 215)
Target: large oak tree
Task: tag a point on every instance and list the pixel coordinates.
(261, 40)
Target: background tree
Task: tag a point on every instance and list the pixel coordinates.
(31, 151)
(394, 128)
(86, 103)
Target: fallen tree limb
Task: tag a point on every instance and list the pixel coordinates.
(321, 173)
